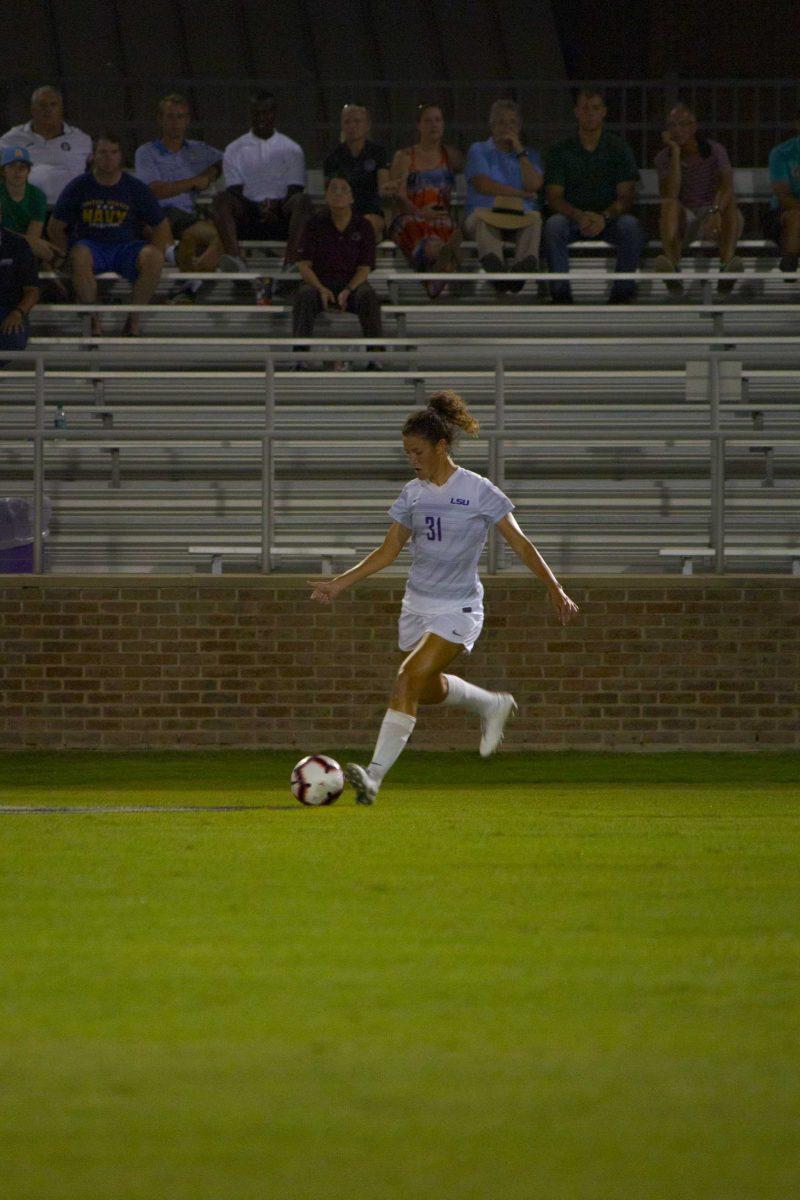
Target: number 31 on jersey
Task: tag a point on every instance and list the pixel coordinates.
(434, 527)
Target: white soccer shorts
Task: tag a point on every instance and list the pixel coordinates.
(456, 626)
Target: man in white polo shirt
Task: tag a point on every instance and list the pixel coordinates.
(58, 151)
(265, 178)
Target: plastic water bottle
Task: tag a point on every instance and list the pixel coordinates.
(262, 285)
(60, 418)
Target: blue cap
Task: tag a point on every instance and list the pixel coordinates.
(12, 154)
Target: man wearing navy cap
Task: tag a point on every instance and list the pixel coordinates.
(24, 205)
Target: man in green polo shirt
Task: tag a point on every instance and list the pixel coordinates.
(590, 186)
(24, 205)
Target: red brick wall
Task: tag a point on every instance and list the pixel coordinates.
(248, 661)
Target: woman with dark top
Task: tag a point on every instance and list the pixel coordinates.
(335, 256)
(424, 176)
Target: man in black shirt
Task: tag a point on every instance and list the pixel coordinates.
(19, 289)
(364, 165)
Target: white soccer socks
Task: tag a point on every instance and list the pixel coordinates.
(466, 695)
(396, 729)
(493, 708)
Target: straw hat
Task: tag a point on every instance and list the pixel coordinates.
(507, 212)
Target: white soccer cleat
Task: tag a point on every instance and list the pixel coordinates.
(492, 726)
(366, 788)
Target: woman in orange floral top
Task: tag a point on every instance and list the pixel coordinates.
(424, 175)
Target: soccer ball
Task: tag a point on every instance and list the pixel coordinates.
(317, 780)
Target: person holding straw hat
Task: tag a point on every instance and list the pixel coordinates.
(503, 182)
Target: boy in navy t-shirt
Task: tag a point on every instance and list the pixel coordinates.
(112, 222)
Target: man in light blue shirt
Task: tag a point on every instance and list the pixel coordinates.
(503, 182)
(176, 170)
(782, 222)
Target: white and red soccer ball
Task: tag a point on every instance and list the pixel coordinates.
(317, 780)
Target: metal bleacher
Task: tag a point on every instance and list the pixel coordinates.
(619, 431)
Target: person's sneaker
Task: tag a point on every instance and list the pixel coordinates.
(54, 291)
(788, 264)
(435, 287)
(493, 265)
(232, 265)
(181, 294)
(492, 726)
(664, 265)
(526, 267)
(262, 290)
(366, 788)
(734, 266)
(449, 257)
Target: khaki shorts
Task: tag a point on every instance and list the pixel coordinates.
(463, 628)
(693, 224)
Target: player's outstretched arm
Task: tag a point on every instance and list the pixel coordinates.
(385, 554)
(526, 552)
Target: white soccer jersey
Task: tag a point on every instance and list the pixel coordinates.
(449, 526)
(267, 167)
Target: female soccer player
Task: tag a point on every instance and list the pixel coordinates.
(446, 511)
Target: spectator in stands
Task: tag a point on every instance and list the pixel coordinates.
(363, 164)
(503, 182)
(782, 221)
(104, 213)
(176, 169)
(590, 187)
(19, 288)
(58, 151)
(265, 178)
(423, 178)
(697, 200)
(24, 205)
(335, 256)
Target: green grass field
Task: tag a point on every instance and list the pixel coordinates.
(550, 977)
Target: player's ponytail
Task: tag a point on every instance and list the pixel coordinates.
(445, 416)
(452, 408)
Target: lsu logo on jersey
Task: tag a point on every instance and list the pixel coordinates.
(459, 500)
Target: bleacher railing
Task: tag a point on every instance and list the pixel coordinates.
(496, 435)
